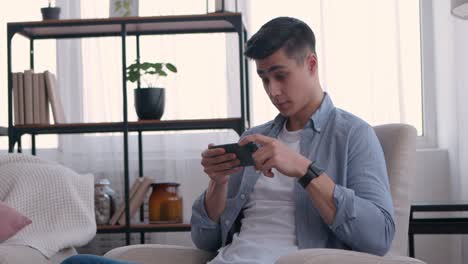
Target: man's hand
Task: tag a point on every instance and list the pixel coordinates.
(218, 165)
(275, 154)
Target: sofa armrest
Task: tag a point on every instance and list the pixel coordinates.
(337, 256)
(160, 254)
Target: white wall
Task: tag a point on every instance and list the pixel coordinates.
(433, 183)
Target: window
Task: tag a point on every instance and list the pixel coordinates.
(369, 56)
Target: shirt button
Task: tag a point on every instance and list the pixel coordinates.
(226, 222)
(242, 196)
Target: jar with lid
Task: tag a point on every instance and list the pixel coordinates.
(104, 201)
(165, 204)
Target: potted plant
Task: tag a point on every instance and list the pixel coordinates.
(50, 12)
(149, 100)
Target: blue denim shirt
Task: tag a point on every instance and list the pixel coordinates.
(349, 151)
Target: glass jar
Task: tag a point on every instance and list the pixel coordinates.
(104, 201)
(165, 204)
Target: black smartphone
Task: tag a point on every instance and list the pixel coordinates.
(243, 153)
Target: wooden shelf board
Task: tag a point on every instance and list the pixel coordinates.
(146, 125)
(73, 28)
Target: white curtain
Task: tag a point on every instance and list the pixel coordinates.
(368, 53)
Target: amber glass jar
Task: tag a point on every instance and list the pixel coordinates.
(165, 204)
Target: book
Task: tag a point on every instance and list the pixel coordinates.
(16, 109)
(54, 98)
(43, 101)
(137, 200)
(28, 97)
(36, 99)
(121, 208)
(20, 77)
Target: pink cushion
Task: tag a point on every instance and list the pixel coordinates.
(11, 222)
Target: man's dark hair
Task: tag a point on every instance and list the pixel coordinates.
(294, 35)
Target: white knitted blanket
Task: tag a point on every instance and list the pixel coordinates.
(59, 202)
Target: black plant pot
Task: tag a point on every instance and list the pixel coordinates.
(49, 13)
(149, 103)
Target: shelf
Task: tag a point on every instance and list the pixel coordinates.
(122, 27)
(77, 28)
(136, 228)
(146, 125)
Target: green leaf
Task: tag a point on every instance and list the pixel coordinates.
(136, 71)
(132, 77)
(171, 67)
(157, 65)
(146, 65)
(162, 73)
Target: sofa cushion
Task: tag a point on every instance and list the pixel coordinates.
(11, 222)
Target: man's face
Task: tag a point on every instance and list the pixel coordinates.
(288, 84)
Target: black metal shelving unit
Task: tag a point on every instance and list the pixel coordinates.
(124, 27)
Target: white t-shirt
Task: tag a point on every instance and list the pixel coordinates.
(268, 228)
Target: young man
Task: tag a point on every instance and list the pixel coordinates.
(319, 179)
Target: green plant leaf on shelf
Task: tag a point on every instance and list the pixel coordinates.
(157, 66)
(139, 70)
(162, 73)
(145, 66)
(171, 67)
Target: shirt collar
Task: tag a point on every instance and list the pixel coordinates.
(317, 120)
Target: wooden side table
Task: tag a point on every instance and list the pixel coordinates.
(436, 225)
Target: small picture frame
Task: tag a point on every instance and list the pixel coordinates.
(220, 6)
(123, 8)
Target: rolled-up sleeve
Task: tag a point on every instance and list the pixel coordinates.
(364, 209)
(206, 234)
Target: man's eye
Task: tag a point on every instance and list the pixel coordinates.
(280, 77)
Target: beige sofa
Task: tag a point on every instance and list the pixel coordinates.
(399, 145)
(16, 254)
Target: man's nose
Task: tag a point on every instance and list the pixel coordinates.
(275, 89)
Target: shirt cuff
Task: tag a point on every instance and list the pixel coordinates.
(344, 203)
(200, 215)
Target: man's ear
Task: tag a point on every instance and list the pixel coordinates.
(311, 62)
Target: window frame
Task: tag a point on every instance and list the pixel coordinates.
(428, 79)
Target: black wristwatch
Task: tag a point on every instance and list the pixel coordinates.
(313, 171)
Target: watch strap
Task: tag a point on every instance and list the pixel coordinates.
(313, 171)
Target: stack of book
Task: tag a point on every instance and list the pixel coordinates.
(137, 197)
(32, 93)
